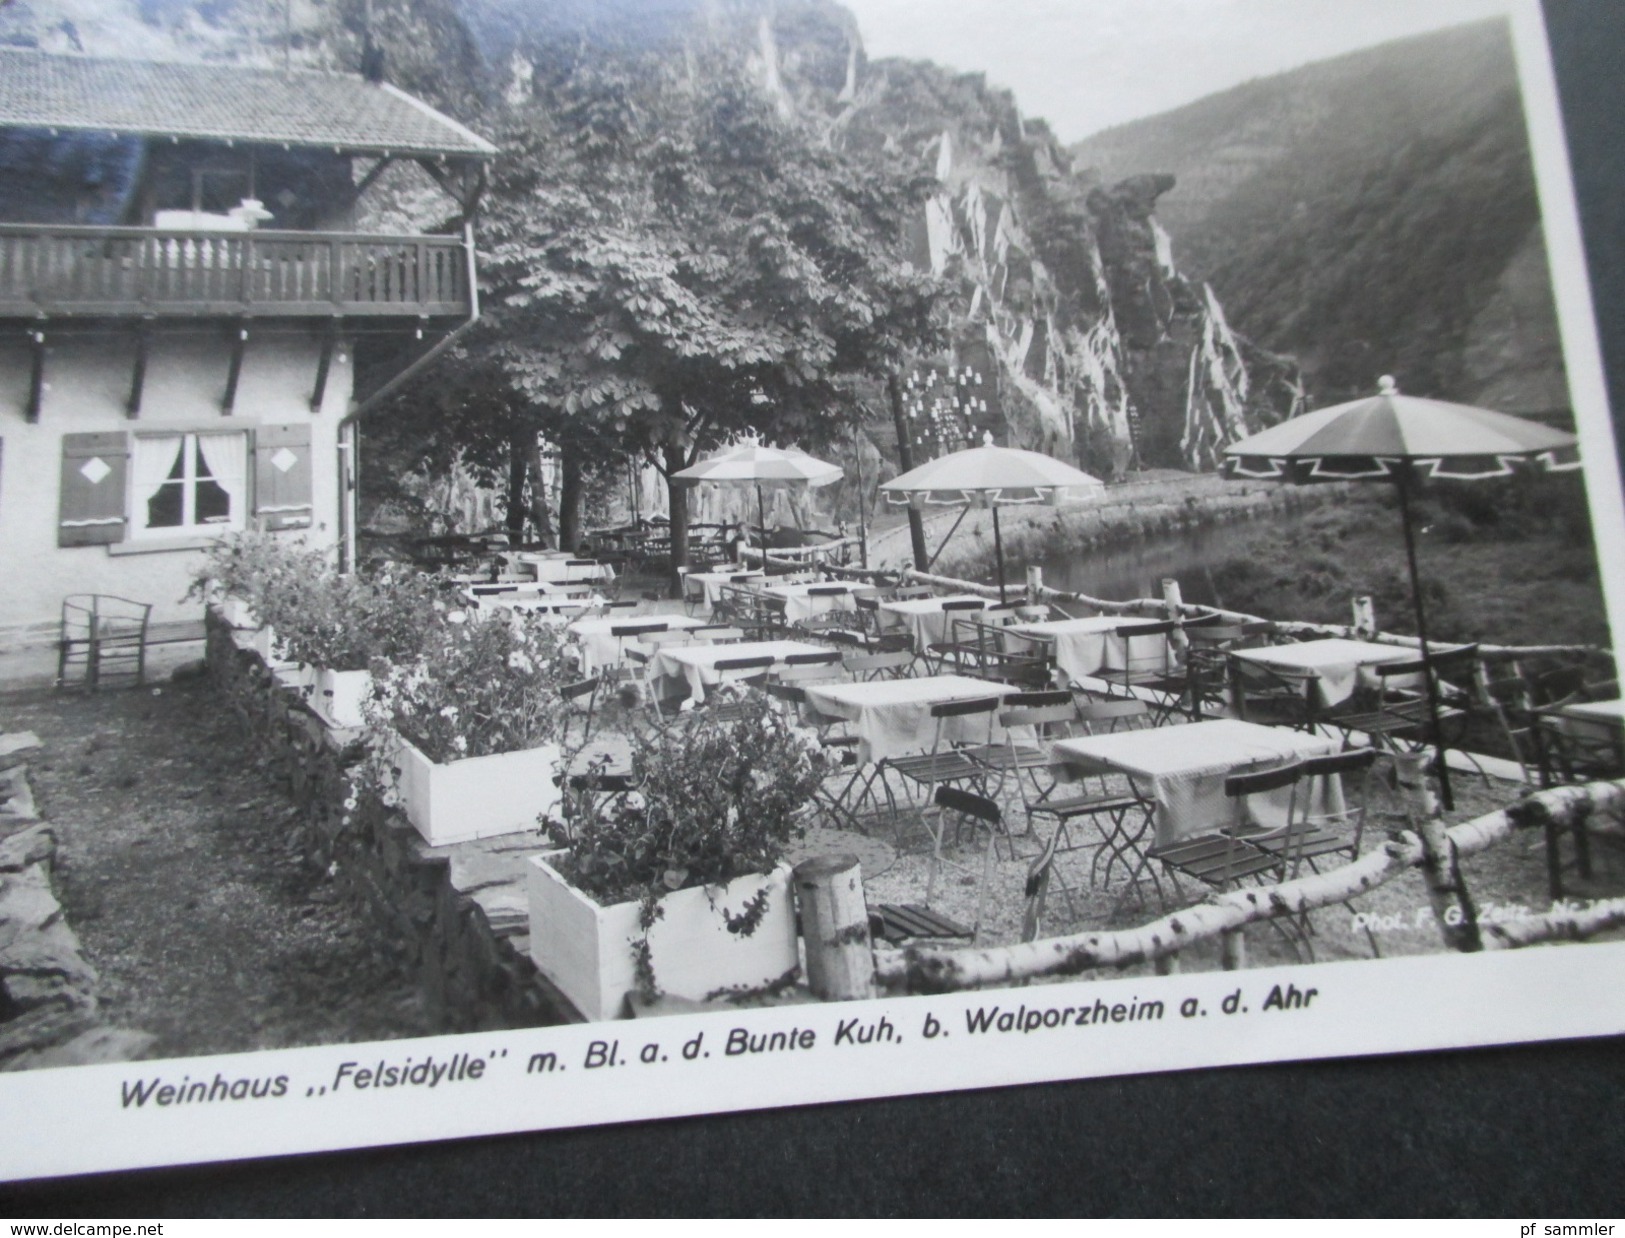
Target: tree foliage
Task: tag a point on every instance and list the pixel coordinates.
(668, 262)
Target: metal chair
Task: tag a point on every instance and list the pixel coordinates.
(574, 695)
(107, 635)
(865, 667)
(1223, 858)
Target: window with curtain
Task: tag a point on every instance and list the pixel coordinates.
(189, 483)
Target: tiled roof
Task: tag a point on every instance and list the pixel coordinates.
(223, 102)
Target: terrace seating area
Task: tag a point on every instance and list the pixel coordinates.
(1106, 768)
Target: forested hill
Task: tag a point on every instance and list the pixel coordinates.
(1370, 214)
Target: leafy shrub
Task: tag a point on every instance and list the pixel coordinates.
(480, 683)
(715, 800)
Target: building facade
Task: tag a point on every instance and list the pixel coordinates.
(190, 322)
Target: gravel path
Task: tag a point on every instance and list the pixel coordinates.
(178, 872)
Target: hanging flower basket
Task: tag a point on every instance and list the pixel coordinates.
(589, 951)
(476, 797)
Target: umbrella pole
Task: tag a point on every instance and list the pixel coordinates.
(998, 551)
(761, 517)
(1403, 481)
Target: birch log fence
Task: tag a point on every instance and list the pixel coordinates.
(1170, 607)
(1596, 806)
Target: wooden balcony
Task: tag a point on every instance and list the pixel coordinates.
(54, 271)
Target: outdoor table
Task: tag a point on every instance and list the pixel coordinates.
(1184, 768)
(1597, 721)
(570, 571)
(551, 606)
(925, 619)
(801, 603)
(1084, 647)
(892, 717)
(601, 648)
(697, 663)
(1342, 665)
(498, 588)
(715, 582)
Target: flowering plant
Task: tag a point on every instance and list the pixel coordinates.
(482, 682)
(716, 798)
(259, 569)
(345, 622)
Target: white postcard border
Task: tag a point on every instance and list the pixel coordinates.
(86, 1119)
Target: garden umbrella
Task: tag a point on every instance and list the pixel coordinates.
(773, 468)
(1403, 439)
(993, 477)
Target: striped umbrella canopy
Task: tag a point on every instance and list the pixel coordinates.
(1404, 439)
(770, 468)
(1387, 434)
(989, 476)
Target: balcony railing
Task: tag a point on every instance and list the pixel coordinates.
(84, 271)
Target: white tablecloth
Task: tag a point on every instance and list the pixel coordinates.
(554, 609)
(892, 717)
(1085, 647)
(713, 583)
(1612, 712)
(1342, 665)
(1184, 768)
(568, 571)
(601, 648)
(697, 663)
(925, 619)
(800, 603)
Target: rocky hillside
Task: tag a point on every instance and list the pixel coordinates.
(1070, 307)
(1371, 214)
(1073, 330)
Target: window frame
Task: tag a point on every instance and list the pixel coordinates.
(138, 531)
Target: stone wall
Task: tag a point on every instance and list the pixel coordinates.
(48, 1008)
(457, 915)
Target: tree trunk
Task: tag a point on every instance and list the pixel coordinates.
(677, 493)
(905, 458)
(518, 465)
(570, 492)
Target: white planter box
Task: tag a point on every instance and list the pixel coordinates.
(586, 949)
(236, 613)
(294, 675)
(337, 696)
(477, 797)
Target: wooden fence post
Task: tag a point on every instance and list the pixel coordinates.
(1452, 903)
(835, 927)
(1173, 600)
(1365, 617)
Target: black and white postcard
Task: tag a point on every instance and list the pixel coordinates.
(583, 562)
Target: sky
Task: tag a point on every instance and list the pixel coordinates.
(1086, 65)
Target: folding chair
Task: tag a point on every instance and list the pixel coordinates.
(1312, 835)
(574, 695)
(105, 634)
(732, 711)
(1152, 675)
(946, 762)
(1273, 696)
(982, 813)
(1503, 697)
(1222, 858)
(865, 667)
(717, 634)
(1397, 717)
(1121, 815)
(957, 647)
